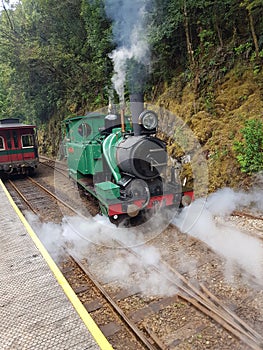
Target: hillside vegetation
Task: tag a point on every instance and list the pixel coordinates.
(218, 123)
(205, 67)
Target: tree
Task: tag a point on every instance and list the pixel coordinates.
(54, 55)
(250, 6)
(46, 46)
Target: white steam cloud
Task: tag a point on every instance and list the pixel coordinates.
(80, 237)
(94, 241)
(238, 248)
(130, 34)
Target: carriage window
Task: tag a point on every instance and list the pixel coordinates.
(2, 143)
(27, 141)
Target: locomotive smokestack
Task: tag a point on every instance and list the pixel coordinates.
(137, 107)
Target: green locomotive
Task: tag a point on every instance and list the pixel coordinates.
(119, 161)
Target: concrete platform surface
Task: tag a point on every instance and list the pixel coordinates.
(35, 313)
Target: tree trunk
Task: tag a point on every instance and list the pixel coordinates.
(188, 40)
(219, 34)
(254, 36)
(7, 15)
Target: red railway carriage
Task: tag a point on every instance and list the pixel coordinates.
(18, 147)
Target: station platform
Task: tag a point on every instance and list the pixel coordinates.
(38, 308)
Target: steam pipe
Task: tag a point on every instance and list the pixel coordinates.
(122, 121)
(137, 107)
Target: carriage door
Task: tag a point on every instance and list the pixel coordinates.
(9, 153)
(16, 148)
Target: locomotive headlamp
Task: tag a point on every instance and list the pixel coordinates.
(148, 119)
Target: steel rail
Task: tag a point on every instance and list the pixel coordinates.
(54, 196)
(220, 310)
(59, 170)
(115, 306)
(205, 305)
(247, 215)
(208, 295)
(23, 197)
(251, 343)
(49, 193)
(155, 338)
(230, 312)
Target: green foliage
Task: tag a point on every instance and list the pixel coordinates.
(250, 150)
(251, 4)
(206, 37)
(209, 102)
(243, 48)
(58, 55)
(54, 55)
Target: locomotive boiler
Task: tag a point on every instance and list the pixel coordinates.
(118, 159)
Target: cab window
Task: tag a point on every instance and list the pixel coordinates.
(27, 141)
(84, 130)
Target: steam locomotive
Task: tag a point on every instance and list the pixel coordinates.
(119, 161)
(18, 147)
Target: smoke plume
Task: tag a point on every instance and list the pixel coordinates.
(130, 35)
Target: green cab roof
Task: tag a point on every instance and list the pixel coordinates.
(87, 116)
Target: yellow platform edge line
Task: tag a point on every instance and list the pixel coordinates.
(83, 313)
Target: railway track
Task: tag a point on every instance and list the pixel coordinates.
(256, 221)
(247, 215)
(58, 166)
(143, 316)
(29, 194)
(99, 303)
(25, 189)
(205, 302)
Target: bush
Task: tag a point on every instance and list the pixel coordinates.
(250, 150)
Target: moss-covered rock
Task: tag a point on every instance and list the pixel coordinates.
(235, 99)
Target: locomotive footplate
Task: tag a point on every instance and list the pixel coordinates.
(130, 207)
